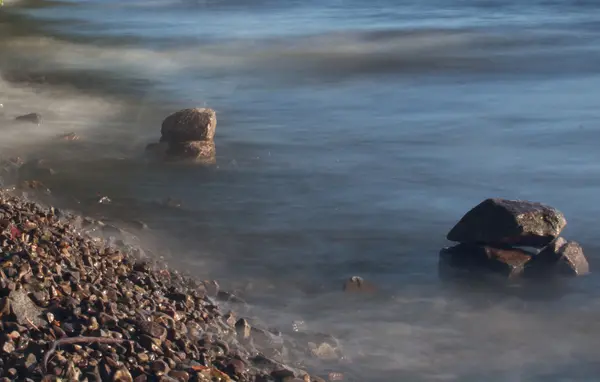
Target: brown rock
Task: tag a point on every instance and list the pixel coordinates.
(560, 257)
(243, 328)
(198, 124)
(358, 284)
(506, 261)
(509, 222)
(201, 151)
(122, 375)
(180, 375)
(153, 329)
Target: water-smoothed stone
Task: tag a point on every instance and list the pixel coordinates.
(34, 118)
(559, 258)
(481, 259)
(509, 222)
(197, 124)
(199, 151)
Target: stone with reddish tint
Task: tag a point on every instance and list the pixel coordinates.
(560, 257)
(509, 222)
(505, 261)
(197, 124)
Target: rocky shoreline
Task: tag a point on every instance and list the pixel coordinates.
(78, 308)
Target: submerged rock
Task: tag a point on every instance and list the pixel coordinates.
(559, 258)
(357, 284)
(202, 151)
(198, 124)
(31, 117)
(482, 259)
(509, 222)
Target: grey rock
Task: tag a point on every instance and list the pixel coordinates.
(509, 222)
(357, 284)
(24, 309)
(31, 117)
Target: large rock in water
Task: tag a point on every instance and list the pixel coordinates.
(509, 222)
(559, 258)
(197, 124)
(481, 259)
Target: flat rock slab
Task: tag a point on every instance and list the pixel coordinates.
(25, 310)
(34, 118)
(509, 222)
(198, 124)
(483, 259)
(559, 258)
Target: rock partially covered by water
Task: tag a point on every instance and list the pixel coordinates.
(509, 222)
(356, 284)
(559, 258)
(481, 259)
(199, 151)
(31, 117)
(198, 124)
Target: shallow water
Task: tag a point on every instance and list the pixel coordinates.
(352, 135)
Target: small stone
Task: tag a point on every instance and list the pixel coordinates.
(160, 367)
(8, 347)
(179, 375)
(198, 124)
(236, 367)
(31, 117)
(357, 284)
(31, 361)
(153, 329)
(243, 328)
(4, 306)
(122, 375)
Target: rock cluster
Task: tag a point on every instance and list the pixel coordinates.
(492, 236)
(78, 308)
(188, 135)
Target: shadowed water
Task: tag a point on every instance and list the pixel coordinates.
(352, 135)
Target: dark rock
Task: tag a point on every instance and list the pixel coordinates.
(179, 375)
(31, 117)
(509, 222)
(199, 151)
(358, 284)
(153, 329)
(160, 367)
(243, 328)
(481, 259)
(559, 258)
(198, 124)
(283, 373)
(236, 367)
